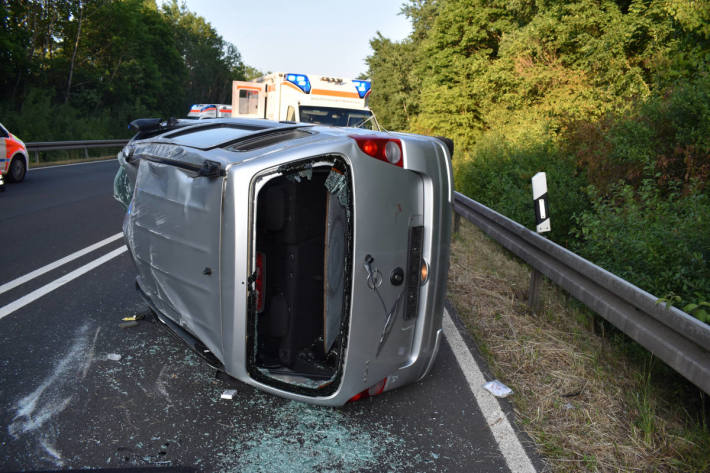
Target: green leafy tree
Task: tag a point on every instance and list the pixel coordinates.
(211, 62)
(590, 91)
(72, 69)
(393, 98)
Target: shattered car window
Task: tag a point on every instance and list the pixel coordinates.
(122, 188)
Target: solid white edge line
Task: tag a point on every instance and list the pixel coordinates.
(72, 164)
(57, 283)
(49, 267)
(515, 456)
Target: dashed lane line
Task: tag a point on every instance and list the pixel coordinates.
(57, 283)
(515, 456)
(60, 262)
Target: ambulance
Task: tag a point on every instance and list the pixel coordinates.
(14, 160)
(209, 110)
(306, 98)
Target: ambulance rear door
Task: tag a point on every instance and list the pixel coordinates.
(248, 99)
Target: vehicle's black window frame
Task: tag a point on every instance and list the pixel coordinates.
(329, 115)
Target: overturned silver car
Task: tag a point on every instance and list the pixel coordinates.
(308, 261)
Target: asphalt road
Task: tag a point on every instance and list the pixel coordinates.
(67, 402)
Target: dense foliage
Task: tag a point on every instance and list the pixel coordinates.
(610, 98)
(82, 69)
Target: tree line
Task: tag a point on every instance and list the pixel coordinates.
(610, 98)
(82, 69)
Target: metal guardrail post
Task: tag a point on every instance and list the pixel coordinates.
(680, 340)
(534, 303)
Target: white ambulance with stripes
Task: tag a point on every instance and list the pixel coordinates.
(200, 111)
(14, 159)
(307, 98)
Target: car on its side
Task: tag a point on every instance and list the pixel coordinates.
(14, 160)
(308, 261)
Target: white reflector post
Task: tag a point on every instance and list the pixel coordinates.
(542, 211)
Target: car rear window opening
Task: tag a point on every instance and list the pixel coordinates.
(300, 291)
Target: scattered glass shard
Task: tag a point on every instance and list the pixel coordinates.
(229, 394)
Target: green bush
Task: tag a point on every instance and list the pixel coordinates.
(498, 175)
(655, 240)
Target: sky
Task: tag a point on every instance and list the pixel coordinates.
(304, 36)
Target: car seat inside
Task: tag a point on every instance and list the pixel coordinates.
(301, 243)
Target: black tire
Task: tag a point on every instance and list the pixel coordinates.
(17, 170)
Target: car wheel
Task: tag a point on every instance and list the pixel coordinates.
(17, 170)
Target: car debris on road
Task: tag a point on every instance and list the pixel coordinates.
(497, 388)
(229, 394)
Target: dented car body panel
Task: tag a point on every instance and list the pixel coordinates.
(297, 262)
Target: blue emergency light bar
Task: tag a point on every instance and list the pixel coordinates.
(301, 81)
(363, 87)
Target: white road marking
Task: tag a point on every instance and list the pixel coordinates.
(72, 164)
(44, 269)
(57, 283)
(515, 456)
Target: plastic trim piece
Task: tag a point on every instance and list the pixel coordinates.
(208, 168)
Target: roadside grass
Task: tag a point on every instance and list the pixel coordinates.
(590, 397)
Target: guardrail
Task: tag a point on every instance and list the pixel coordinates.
(36, 147)
(680, 340)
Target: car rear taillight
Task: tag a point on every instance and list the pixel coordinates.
(388, 150)
(373, 390)
(259, 283)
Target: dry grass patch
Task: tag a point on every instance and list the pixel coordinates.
(587, 403)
